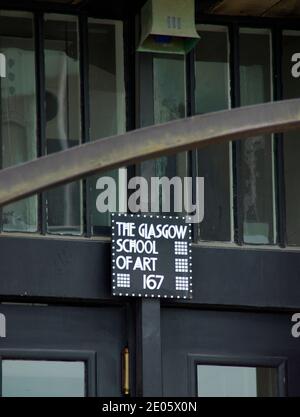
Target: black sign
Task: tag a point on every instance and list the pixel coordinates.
(151, 256)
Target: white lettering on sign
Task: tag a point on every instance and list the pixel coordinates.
(2, 326)
(145, 264)
(123, 262)
(152, 282)
(151, 256)
(149, 231)
(126, 229)
(136, 246)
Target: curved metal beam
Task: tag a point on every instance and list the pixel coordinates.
(27, 179)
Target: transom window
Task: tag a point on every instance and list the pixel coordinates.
(65, 85)
(59, 93)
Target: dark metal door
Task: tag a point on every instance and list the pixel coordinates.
(196, 343)
(86, 342)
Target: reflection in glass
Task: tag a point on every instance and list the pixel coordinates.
(25, 378)
(291, 143)
(63, 130)
(236, 381)
(212, 94)
(18, 110)
(107, 97)
(169, 98)
(257, 171)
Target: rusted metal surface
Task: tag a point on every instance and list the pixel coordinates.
(133, 147)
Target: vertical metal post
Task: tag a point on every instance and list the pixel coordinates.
(148, 350)
(85, 112)
(236, 146)
(191, 111)
(278, 142)
(41, 107)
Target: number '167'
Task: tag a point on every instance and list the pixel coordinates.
(152, 282)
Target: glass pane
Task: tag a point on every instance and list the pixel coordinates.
(169, 104)
(236, 381)
(18, 110)
(291, 143)
(63, 129)
(107, 98)
(257, 171)
(214, 162)
(169, 98)
(24, 378)
(168, 88)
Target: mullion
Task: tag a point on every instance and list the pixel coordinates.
(1, 157)
(41, 110)
(236, 145)
(130, 77)
(1, 376)
(85, 113)
(278, 140)
(191, 111)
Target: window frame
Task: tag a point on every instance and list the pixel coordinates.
(233, 23)
(244, 29)
(276, 28)
(196, 229)
(88, 357)
(194, 359)
(124, 28)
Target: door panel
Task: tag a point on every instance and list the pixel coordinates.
(263, 342)
(68, 336)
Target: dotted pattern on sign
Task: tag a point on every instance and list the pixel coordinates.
(188, 262)
(181, 248)
(181, 265)
(182, 283)
(123, 280)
